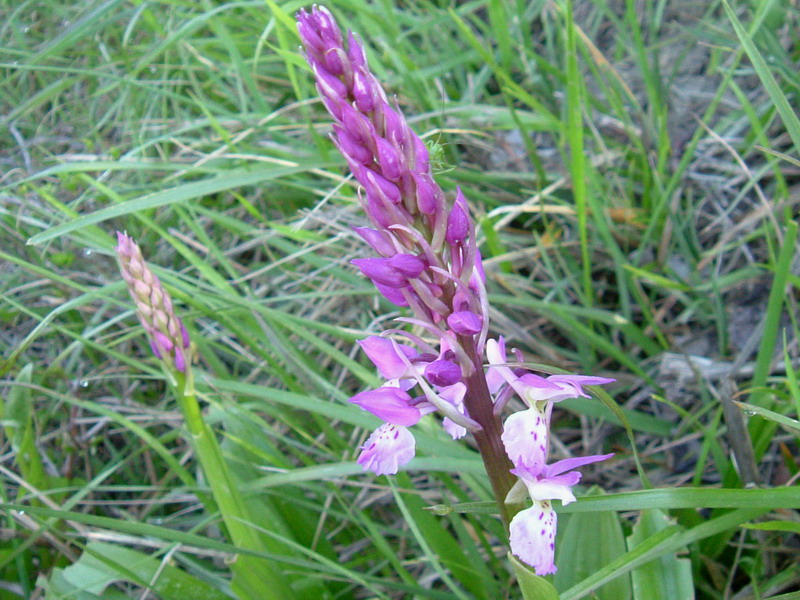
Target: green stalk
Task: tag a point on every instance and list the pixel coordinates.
(577, 156)
(253, 577)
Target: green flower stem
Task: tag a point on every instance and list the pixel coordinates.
(253, 577)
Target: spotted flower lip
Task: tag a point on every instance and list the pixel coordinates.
(387, 449)
(532, 531)
(525, 438)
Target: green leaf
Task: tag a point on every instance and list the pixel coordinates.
(589, 542)
(791, 425)
(181, 193)
(779, 100)
(56, 587)
(787, 526)
(667, 498)
(15, 412)
(667, 577)
(532, 586)
(103, 564)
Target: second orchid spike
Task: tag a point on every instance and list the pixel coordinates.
(169, 339)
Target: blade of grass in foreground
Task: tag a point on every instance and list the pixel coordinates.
(181, 193)
(665, 499)
(666, 541)
(762, 431)
(254, 578)
(788, 115)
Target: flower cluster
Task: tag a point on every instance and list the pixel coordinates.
(168, 337)
(428, 260)
(439, 380)
(526, 438)
(427, 256)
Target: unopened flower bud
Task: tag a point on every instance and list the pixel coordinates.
(408, 264)
(465, 322)
(377, 240)
(389, 160)
(169, 339)
(362, 91)
(457, 221)
(443, 372)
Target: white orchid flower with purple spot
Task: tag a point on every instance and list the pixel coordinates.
(532, 531)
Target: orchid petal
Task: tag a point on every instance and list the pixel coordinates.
(387, 449)
(532, 537)
(525, 439)
(391, 404)
(384, 355)
(569, 464)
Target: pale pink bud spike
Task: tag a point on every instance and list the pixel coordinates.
(168, 337)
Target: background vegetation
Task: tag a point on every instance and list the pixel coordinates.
(633, 166)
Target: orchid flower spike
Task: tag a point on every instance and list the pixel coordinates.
(169, 339)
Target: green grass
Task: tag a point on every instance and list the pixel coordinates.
(633, 169)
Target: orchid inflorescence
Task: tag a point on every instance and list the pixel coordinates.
(427, 260)
(168, 338)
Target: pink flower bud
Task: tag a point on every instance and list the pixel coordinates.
(180, 360)
(390, 161)
(393, 129)
(335, 61)
(443, 372)
(408, 264)
(381, 271)
(163, 342)
(377, 240)
(377, 211)
(308, 36)
(351, 148)
(379, 185)
(363, 92)
(465, 322)
(427, 192)
(357, 125)
(167, 336)
(393, 295)
(355, 51)
(184, 335)
(332, 106)
(457, 220)
(326, 26)
(328, 85)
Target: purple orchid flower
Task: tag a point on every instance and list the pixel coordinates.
(533, 388)
(533, 530)
(388, 449)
